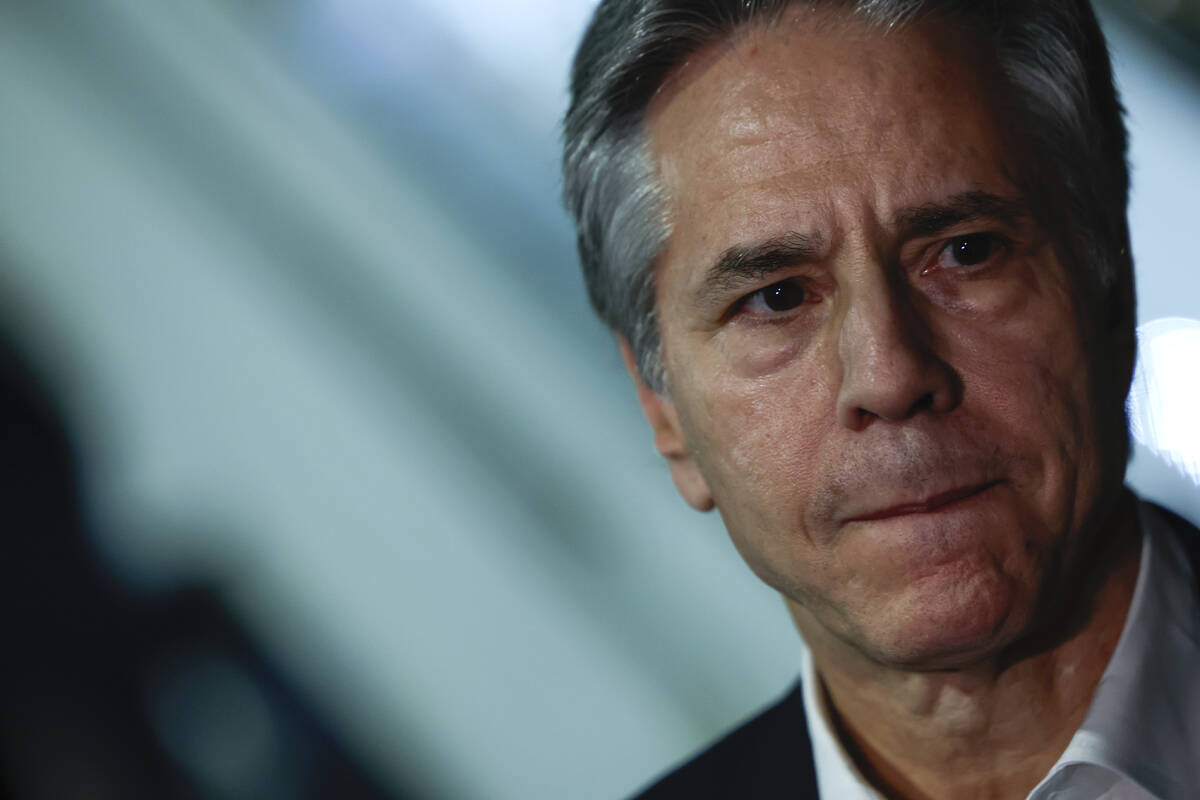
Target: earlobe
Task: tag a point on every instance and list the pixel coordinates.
(669, 440)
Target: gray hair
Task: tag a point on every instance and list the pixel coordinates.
(1051, 53)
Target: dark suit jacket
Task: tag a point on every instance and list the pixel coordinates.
(766, 758)
(770, 756)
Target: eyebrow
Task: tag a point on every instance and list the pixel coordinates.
(742, 263)
(933, 218)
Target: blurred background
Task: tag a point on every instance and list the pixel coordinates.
(320, 478)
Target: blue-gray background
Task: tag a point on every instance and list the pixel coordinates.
(298, 273)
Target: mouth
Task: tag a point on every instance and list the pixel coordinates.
(938, 502)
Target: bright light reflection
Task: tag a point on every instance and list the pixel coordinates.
(1164, 400)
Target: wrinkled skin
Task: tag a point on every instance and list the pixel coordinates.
(895, 420)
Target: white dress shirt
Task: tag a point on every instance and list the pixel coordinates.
(1140, 739)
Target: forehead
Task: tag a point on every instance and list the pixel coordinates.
(811, 121)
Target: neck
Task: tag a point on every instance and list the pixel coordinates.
(994, 728)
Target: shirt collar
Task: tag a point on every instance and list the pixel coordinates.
(1144, 720)
(836, 774)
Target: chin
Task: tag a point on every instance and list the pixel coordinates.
(940, 625)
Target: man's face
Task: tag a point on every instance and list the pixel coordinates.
(876, 359)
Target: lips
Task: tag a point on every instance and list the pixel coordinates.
(936, 502)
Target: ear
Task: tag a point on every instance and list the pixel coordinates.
(669, 440)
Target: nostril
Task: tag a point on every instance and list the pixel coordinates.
(923, 403)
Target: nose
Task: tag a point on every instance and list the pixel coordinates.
(890, 368)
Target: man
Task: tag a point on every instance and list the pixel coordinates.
(869, 268)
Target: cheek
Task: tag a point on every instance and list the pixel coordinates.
(760, 450)
(1035, 390)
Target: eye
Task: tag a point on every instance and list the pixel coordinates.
(967, 251)
(782, 296)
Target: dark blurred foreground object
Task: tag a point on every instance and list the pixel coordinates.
(105, 693)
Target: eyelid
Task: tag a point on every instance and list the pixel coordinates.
(927, 255)
(739, 305)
